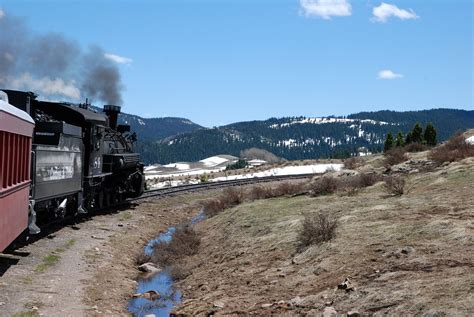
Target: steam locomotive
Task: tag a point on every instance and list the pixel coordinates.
(59, 159)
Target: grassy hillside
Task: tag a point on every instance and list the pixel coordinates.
(408, 254)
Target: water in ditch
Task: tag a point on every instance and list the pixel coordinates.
(161, 283)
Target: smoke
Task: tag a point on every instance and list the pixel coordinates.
(54, 66)
(102, 77)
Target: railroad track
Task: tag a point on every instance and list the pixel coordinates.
(49, 228)
(168, 191)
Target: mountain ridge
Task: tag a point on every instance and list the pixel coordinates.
(303, 137)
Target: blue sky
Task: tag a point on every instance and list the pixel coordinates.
(217, 62)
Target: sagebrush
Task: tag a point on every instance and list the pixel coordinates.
(395, 185)
(317, 228)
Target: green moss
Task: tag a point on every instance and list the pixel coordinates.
(30, 313)
(48, 261)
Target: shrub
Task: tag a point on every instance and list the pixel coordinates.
(394, 185)
(351, 163)
(204, 178)
(368, 179)
(455, 149)
(324, 186)
(260, 192)
(232, 196)
(316, 228)
(351, 184)
(213, 206)
(287, 188)
(394, 156)
(185, 242)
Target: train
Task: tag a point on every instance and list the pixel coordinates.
(59, 160)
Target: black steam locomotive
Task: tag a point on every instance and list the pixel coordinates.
(81, 159)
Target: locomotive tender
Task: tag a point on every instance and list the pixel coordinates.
(80, 161)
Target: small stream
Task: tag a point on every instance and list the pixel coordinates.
(161, 282)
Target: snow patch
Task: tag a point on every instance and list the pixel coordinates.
(179, 166)
(213, 161)
(287, 170)
(470, 140)
(324, 120)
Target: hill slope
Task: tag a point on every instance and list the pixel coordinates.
(403, 255)
(303, 138)
(155, 128)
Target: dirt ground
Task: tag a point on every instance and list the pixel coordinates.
(412, 254)
(87, 269)
(404, 255)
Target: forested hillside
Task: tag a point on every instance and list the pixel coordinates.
(303, 138)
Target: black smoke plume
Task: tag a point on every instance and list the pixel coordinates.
(55, 66)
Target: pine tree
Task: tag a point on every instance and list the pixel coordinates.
(388, 142)
(408, 138)
(399, 142)
(430, 135)
(417, 134)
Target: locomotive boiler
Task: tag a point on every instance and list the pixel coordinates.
(81, 159)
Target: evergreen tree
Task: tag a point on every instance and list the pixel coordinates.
(417, 134)
(408, 138)
(430, 135)
(388, 142)
(399, 142)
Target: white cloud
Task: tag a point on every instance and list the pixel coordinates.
(118, 59)
(2, 13)
(385, 11)
(388, 74)
(46, 86)
(326, 8)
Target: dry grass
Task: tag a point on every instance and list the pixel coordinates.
(317, 228)
(455, 149)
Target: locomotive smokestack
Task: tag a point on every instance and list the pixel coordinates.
(112, 112)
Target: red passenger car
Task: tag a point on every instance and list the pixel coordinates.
(16, 130)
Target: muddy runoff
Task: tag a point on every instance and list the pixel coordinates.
(156, 294)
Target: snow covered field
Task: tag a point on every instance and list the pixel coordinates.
(166, 175)
(287, 170)
(470, 140)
